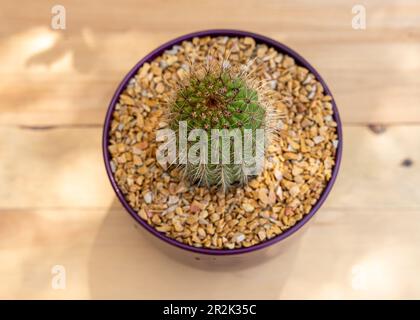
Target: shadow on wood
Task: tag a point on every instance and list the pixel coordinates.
(128, 262)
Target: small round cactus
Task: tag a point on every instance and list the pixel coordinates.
(218, 97)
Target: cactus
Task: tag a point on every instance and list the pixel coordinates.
(219, 95)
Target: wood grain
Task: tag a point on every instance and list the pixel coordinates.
(58, 208)
(105, 256)
(63, 167)
(68, 77)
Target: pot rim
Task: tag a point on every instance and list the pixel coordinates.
(230, 33)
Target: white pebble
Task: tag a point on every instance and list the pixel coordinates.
(169, 210)
(173, 200)
(113, 167)
(278, 175)
(247, 207)
(148, 197)
(318, 139)
(238, 237)
(294, 191)
(279, 192)
(273, 84)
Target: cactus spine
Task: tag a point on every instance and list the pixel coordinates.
(218, 95)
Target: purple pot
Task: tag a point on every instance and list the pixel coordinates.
(232, 33)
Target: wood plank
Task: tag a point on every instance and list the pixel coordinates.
(63, 167)
(157, 15)
(352, 253)
(84, 100)
(68, 77)
(53, 168)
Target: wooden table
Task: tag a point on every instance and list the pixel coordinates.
(57, 206)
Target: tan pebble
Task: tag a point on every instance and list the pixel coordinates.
(230, 245)
(113, 149)
(142, 214)
(303, 146)
(140, 180)
(288, 184)
(297, 170)
(137, 160)
(127, 100)
(201, 233)
(149, 161)
(254, 183)
(288, 211)
(294, 144)
(263, 195)
(172, 188)
(142, 170)
(156, 219)
(301, 73)
(122, 159)
(204, 214)
(271, 197)
(171, 60)
(196, 206)
(164, 228)
(210, 229)
(261, 51)
(288, 62)
(181, 188)
(277, 230)
(178, 226)
(137, 148)
(253, 224)
(214, 217)
(304, 188)
(144, 69)
(143, 145)
(248, 207)
(278, 175)
(242, 222)
(140, 120)
(291, 156)
(261, 235)
(192, 219)
(160, 88)
(157, 71)
(195, 239)
(249, 41)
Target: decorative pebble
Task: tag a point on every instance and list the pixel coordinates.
(247, 207)
(148, 197)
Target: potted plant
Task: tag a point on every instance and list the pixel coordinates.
(167, 134)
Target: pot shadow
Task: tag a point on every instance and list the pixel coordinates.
(126, 262)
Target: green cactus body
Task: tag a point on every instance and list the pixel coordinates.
(218, 98)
